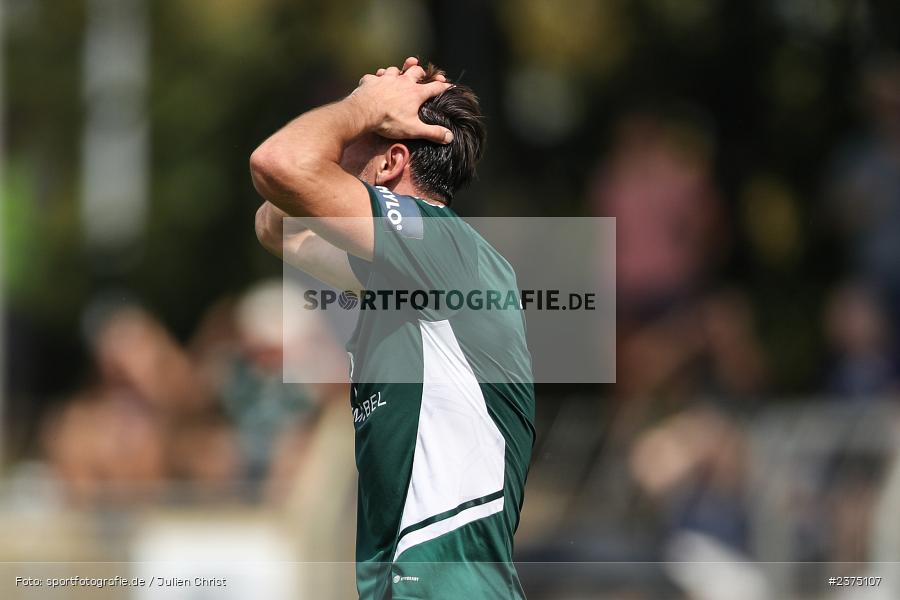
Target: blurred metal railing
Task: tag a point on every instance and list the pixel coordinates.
(799, 452)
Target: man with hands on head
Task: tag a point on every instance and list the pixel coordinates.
(312, 166)
(443, 460)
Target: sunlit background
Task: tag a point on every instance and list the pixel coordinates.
(750, 152)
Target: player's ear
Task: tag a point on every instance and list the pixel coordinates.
(392, 163)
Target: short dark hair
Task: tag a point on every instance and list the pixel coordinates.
(442, 169)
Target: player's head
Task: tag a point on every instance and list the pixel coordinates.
(435, 170)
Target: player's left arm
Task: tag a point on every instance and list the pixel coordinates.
(298, 168)
(302, 248)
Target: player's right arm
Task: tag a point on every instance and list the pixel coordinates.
(303, 248)
(298, 167)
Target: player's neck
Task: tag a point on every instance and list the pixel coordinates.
(408, 189)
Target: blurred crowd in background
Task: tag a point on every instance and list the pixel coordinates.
(750, 153)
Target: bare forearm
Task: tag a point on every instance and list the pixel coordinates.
(303, 249)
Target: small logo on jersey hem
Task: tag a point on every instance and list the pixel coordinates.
(398, 578)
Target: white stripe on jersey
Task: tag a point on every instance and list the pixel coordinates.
(460, 452)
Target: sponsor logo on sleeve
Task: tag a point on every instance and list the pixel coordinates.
(401, 214)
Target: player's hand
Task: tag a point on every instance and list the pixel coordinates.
(391, 100)
(410, 62)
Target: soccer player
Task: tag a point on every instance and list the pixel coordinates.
(442, 398)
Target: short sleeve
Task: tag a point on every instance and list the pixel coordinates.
(416, 246)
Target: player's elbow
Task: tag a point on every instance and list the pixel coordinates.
(265, 169)
(276, 173)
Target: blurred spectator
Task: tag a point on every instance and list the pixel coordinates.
(658, 184)
(735, 360)
(241, 349)
(134, 350)
(708, 348)
(216, 417)
(107, 447)
(694, 465)
(204, 452)
(121, 438)
(863, 362)
(864, 185)
(673, 341)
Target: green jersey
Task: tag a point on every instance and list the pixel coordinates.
(443, 407)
